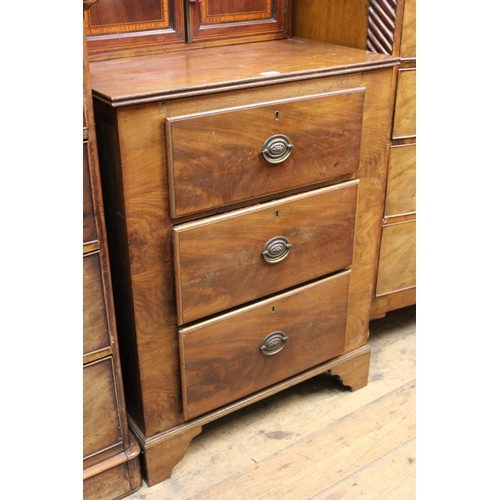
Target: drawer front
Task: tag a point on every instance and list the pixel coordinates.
(401, 181)
(405, 112)
(95, 324)
(89, 226)
(397, 265)
(409, 32)
(215, 159)
(222, 262)
(222, 360)
(102, 431)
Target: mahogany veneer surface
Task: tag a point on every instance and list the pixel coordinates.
(221, 360)
(110, 456)
(179, 270)
(215, 257)
(95, 321)
(158, 76)
(325, 145)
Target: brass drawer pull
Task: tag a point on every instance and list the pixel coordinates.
(277, 149)
(273, 343)
(276, 249)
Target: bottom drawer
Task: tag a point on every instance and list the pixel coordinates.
(102, 429)
(238, 353)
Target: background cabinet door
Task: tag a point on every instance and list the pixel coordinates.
(222, 19)
(129, 27)
(121, 28)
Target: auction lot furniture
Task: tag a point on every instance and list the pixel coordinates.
(243, 186)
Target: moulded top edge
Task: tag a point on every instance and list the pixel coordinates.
(168, 75)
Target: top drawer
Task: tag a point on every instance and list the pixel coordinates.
(216, 158)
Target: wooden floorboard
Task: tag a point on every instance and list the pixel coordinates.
(317, 440)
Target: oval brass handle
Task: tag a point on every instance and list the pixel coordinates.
(273, 343)
(276, 249)
(277, 149)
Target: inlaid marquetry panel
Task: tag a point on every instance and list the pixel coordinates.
(124, 27)
(226, 11)
(122, 15)
(241, 20)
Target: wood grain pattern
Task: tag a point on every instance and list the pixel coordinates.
(95, 323)
(286, 476)
(102, 435)
(381, 26)
(117, 482)
(405, 120)
(409, 30)
(110, 457)
(342, 22)
(219, 261)
(133, 99)
(221, 359)
(139, 227)
(382, 304)
(363, 455)
(325, 146)
(355, 362)
(120, 28)
(119, 15)
(161, 456)
(241, 20)
(397, 267)
(401, 180)
(89, 222)
(157, 77)
(117, 28)
(377, 119)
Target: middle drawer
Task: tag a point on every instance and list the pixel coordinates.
(227, 260)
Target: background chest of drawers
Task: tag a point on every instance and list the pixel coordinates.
(385, 27)
(111, 466)
(242, 189)
(396, 278)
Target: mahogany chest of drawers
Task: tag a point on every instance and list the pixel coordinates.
(243, 189)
